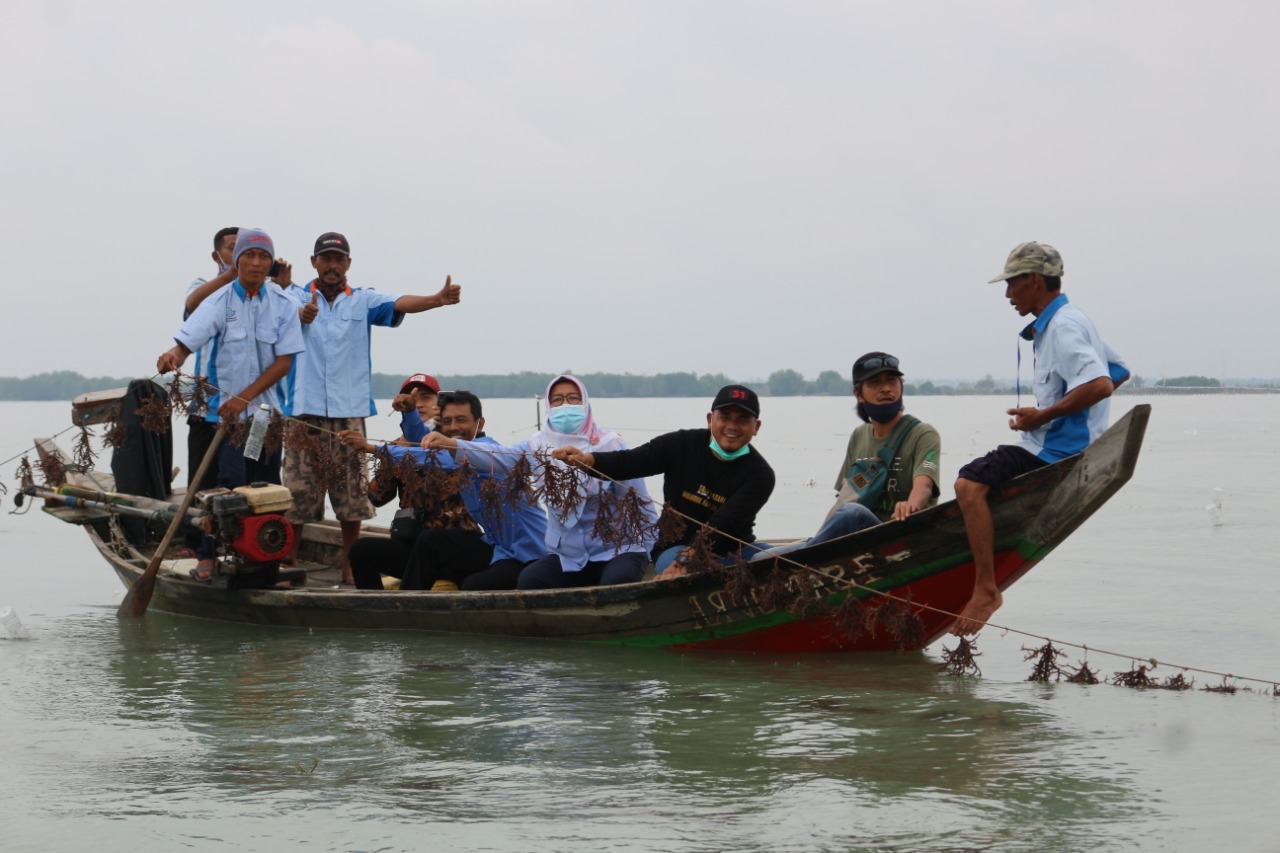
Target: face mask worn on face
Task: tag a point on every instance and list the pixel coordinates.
(882, 413)
(567, 419)
(725, 455)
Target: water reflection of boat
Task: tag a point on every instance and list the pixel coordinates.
(923, 561)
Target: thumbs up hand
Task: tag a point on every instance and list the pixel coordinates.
(308, 312)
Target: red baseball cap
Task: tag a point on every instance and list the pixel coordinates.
(421, 380)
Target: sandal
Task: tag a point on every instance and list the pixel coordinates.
(203, 571)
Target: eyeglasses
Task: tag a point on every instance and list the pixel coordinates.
(878, 362)
(571, 399)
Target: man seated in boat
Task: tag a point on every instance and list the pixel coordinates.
(417, 405)
(1075, 374)
(578, 552)
(445, 557)
(255, 334)
(712, 477)
(871, 492)
(330, 387)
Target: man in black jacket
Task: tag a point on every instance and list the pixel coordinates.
(711, 476)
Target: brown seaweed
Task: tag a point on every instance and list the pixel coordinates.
(1137, 677)
(962, 660)
(1046, 667)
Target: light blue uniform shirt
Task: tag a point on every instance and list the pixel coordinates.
(200, 366)
(1069, 352)
(245, 336)
(514, 532)
(333, 378)
(571, 540)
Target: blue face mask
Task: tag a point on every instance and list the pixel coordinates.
(567, 419)
(882, 413)
(725, 455)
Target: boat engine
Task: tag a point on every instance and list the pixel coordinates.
(255, 536)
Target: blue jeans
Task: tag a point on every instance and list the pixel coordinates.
(849, 518)
(667, 557)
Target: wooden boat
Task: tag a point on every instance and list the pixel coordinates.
(923, 561)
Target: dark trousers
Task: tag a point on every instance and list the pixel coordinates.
(445, 554)
(372, 557)
(199, 436)
(501, 574)
(546, 573)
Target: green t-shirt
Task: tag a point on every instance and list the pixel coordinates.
(918, 456)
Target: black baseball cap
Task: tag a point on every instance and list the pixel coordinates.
(332, 241)
(873, 364)
(737, 395)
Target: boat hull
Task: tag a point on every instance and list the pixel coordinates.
(923, 562)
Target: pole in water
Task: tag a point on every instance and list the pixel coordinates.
(13, 624)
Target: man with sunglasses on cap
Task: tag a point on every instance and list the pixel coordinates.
(712, 477)
(331, 387)
(1075, 374)
(912, 475)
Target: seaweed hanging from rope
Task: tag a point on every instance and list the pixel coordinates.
(155, 414)
(52, 469)
(1224, 687)
(82, 454)
(116, 433)
(854, 618)
(562, 489)
(24, 474)
(1178, 682)
(1136, 677)
(518, 484)
(273, 440)
(1046, 666)
(962, 660)
(622, 522)
(1082, 675)
(671, 527)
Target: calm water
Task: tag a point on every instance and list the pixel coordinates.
(179, 734)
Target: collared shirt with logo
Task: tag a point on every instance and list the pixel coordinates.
(333, 377)
(246, 335)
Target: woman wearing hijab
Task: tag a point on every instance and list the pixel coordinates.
(575, 557)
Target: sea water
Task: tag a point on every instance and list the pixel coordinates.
(171, 733)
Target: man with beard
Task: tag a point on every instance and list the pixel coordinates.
(912, 482)
(331, 388)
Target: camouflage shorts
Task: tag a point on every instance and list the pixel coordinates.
(307, 482)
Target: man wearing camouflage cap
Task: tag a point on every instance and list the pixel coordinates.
(1075, 373)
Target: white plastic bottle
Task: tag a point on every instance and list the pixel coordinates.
(257, 432)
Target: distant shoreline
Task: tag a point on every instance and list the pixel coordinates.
(65, 385)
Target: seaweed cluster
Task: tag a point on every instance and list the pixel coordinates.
(962, 660)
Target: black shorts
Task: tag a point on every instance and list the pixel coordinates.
(1001, 465)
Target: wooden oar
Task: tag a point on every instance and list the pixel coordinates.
(139, 595)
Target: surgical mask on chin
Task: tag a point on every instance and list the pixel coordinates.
(567, 419)
(882, 413)
(725, 455)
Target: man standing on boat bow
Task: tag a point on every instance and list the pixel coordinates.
(331, 384)
(1075, 374)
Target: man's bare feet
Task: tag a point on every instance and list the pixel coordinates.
(980, 608)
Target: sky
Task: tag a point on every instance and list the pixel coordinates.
(716, 187)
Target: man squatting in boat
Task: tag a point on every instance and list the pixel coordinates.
(1075, 374)
(330, 385)
(711, 476)
(445, 557)
(254, 333)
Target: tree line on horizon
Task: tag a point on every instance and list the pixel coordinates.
(66, 384)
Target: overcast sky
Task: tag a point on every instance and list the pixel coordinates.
(643, 187)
